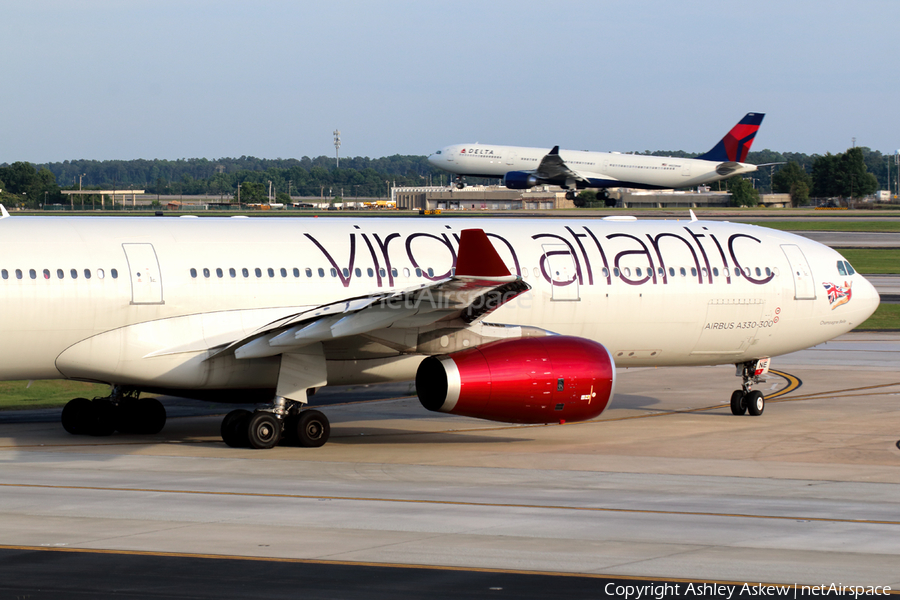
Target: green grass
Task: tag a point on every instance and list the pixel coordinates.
(887, 316)
(873, 261)
(46, 393)
(835, 224)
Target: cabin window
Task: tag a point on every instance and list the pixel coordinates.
(683, 272)
(715, 271)
(662, 272)
(257, 271)
(382, 272)
(672, 271)
(616, 271)
(100, 273)
(346, 272)
(333, 272)
(638, 272)
(627, 271)
(46, 273)
(693, 271)
(605, 272)
(232, 273)
(19, 273)
(193, 272)
(73, 273)
(430, 272)
(737, 272)
(5, 274)
(271, 272)
(758, 272)
(418, 272)
(394, 272)
(245, 272)
(704, 272)
(220, 273)
(206, 272)
(32, 273)
(309, 272)
(746, 271)
(321, 272)
(370, 272)
(87, 273)
(283, 272)
(768, 272)
(60, 274)
(357, 272)
(114, 273)
(296, 272)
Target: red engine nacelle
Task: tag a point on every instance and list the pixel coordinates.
(526, 380)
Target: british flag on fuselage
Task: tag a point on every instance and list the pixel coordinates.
(838, 295)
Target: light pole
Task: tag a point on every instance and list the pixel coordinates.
(337, 147)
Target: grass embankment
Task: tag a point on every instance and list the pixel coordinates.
(873, 261)
(886, 317)
(46, 394)
(835, 224)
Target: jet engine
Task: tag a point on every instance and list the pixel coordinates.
(526, 380)
(520, 180)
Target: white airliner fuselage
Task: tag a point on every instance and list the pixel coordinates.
(250, 308)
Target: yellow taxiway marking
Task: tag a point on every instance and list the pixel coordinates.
(387, 565)
(599, 509)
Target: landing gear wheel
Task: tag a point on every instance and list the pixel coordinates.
(570, 195)
(756, 403)
(102, 421)
(738, 407)
(312, 429)
(152, 416)
(76, 415)
(264, 430)
(234, 428)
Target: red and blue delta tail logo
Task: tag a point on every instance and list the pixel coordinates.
(736, 144)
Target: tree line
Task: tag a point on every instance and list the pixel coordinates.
(855, 173)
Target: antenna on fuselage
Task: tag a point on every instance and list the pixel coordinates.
(3, 213)
(693, 216)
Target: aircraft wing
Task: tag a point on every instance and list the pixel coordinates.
(480, 285)
(553, 167)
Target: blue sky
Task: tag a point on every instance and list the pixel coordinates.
(117, 79)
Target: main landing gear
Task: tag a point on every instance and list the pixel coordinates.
(122, 411)
(460, 182)
(284, 422)
(746, 399)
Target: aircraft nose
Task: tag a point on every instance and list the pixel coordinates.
(868, 297)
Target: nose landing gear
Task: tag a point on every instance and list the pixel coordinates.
(746, 399)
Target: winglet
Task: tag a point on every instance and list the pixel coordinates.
(477, 257)
(555, 150)
(3, 213)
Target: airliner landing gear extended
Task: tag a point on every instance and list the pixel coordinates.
(460, 182)
(122, 411)
(746, 399)
(284, 422)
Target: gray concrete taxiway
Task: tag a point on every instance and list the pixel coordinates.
(665, 484)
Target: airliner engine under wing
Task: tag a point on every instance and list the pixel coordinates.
(524, 168)
(517, 320)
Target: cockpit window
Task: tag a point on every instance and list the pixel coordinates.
(438, 152)
(850, 270)
(841, 269)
